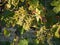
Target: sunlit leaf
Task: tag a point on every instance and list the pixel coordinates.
(23, 42)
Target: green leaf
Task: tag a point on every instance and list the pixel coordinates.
(56, 9)
(6, 32)
(23, 42)
(56, 3)
(57, 32)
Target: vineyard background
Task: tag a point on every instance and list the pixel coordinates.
(31, 22)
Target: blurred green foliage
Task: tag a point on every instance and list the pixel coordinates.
(41, 14)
